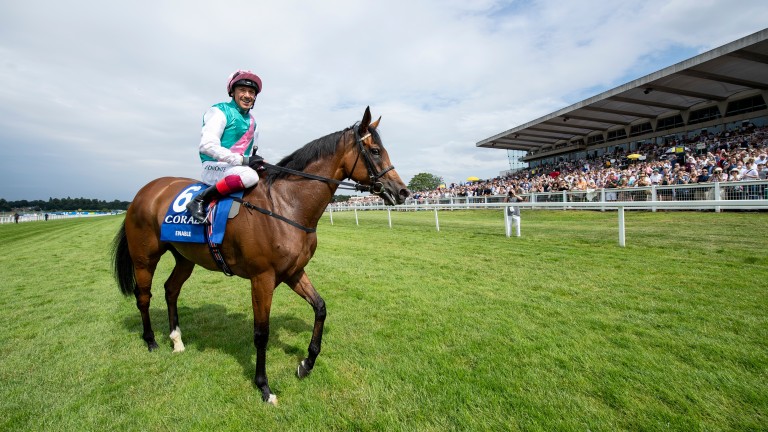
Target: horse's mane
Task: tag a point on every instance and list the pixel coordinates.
(310, 152)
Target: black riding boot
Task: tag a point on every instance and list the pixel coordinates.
(198, 206)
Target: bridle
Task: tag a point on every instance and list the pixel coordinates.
(376, 187)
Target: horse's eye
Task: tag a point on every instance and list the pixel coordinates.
(375, 151)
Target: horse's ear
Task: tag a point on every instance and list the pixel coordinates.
(365, 122)
(376, 123)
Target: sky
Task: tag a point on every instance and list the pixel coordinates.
(98, 98)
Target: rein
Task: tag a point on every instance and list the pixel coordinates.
(342, 184)
(376, 187)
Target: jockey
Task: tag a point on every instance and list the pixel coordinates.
(228, 144)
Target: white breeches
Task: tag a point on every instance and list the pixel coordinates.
(215, 171)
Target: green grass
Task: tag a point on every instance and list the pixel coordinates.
(461, 329)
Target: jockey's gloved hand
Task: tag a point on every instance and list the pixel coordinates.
(255, 162)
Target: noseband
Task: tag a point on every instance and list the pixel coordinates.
(376, 187)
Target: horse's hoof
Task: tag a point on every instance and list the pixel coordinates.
(151, 346)
(302, 371)
(272, 400)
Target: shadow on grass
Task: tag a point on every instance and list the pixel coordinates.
(212, 327)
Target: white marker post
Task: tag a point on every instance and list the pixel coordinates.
(437, 221)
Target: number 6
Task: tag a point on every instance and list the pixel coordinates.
(184, 197)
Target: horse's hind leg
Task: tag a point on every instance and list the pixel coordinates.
(303, 287)
(179, 275)
(143, 293)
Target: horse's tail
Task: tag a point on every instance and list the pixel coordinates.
(124, 273)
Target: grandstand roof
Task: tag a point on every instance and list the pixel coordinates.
(714, 76)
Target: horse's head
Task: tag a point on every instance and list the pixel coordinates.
(375, 171)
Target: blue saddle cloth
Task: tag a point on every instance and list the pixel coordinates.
(178, 225)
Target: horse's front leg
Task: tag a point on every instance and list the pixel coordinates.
(303, 287)
(262, 289)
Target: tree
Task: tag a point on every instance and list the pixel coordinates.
(424, 182)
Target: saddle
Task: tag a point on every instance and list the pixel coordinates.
(178, 226)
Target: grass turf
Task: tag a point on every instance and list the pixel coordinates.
(461, 329)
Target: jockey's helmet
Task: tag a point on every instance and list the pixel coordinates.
(243, 78)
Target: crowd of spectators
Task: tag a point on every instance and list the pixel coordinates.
(732, 155)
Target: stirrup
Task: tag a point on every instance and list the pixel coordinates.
(197, 211)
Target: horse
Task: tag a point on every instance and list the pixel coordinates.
(268, 247)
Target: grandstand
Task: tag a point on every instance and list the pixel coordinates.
(694, 131)
(714, 92)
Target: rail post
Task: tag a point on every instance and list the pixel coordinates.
(622, 239)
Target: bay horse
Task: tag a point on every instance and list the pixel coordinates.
(267, 247)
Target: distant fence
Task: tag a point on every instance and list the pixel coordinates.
(7, 218)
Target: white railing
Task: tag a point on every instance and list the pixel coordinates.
(697, 196)
(705, 196)
(613, 205)
(512, 218)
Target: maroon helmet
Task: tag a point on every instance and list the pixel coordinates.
(243, 78)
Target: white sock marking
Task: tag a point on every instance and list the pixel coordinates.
(178, 345)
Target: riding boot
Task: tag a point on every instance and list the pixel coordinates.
(198, 207)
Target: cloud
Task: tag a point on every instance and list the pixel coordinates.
(98, 98)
